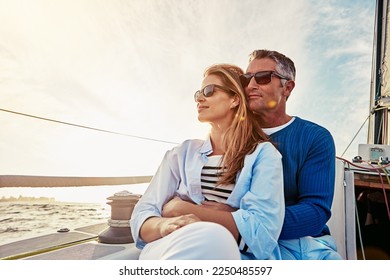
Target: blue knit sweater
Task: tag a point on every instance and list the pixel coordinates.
(309, 174)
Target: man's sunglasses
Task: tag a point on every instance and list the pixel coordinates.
(262, 78)
(209, 90)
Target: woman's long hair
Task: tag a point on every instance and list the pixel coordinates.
(245, 132)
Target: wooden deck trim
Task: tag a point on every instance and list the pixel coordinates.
(59, 181)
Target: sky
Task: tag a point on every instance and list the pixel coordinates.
(131, 67)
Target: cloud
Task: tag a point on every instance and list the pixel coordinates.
(337, 89)
(132, 66)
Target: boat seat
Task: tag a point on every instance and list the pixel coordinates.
(342, 221)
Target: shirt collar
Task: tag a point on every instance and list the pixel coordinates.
(206, 148)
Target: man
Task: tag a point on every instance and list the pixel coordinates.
(308, 157)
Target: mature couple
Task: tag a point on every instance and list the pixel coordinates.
(259, 187)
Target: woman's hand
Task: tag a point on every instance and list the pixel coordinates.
(175, 207)
(169, 225)
(209, 211)
(157, 227)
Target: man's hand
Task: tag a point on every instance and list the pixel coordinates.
(218, 206)
(176, 207)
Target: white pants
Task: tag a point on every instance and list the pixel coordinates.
(196, 241)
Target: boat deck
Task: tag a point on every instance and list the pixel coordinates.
(79, 244)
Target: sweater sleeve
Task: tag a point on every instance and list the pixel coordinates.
(312, 166)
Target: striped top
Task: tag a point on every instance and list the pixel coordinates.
(219, 193)
(209, 178)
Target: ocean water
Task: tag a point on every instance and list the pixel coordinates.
(37, 211)
(31, 218)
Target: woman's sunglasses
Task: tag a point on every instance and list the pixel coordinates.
(262, 78)
(209, 90)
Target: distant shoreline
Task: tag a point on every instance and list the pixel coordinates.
(27, 199)
(57, 181)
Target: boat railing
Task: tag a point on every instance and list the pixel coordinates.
(62, 181)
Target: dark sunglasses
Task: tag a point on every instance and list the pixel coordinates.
(209, 90)
(262, 78)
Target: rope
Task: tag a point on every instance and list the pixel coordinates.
(86, 127)
(118, 223)
(382, 168)
(355, 136)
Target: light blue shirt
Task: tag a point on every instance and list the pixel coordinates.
(258, 193)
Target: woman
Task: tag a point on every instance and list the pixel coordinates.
(221, 198)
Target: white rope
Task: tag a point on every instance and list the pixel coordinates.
(118, 223)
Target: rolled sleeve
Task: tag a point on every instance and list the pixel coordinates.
(161, 189)
(178, 174)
